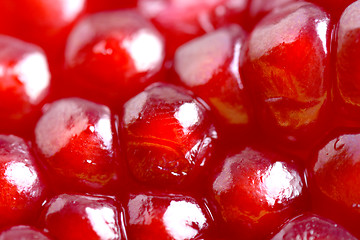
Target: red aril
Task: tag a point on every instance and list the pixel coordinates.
(24, 84)
(22, 189)
(83, 217)
(77, 145)
(334, 180)
(168, 135)
(286, 68)
(112, 56)
(255, 191)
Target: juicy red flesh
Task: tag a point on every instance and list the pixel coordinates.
(22, 189)
(179, 119)
(24, 83)
(76, 142)
(286, 66)
(168, 135)
(166, 217)
(122, 54)
(256, 191)
(24, 233)
(78, 217)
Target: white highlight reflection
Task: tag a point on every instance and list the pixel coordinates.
(2, 71)
(72, 8)
(321, 28)
(146, 50)
(34, 73)
(103, 128)
(21, 176)
(188, 116)
(103, 222)
(280, 184)
(234, 66)
(180, 218)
